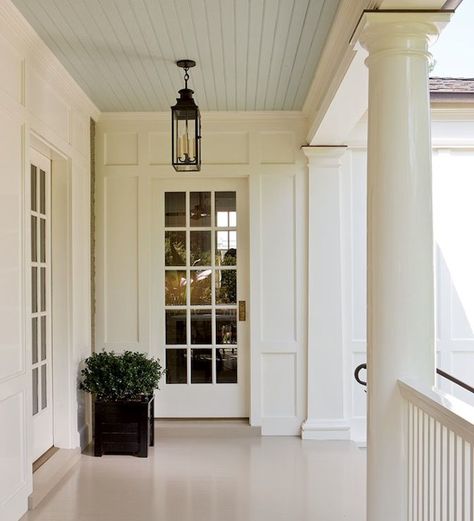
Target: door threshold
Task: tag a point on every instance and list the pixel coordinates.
(44, 458)
(51, 473)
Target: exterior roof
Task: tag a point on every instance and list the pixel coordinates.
(452, 89)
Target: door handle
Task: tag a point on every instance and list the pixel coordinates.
(242, 311)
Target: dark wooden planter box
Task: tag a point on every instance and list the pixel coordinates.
(123, 427)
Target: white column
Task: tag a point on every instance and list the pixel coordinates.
(325, 416)
(400, 242)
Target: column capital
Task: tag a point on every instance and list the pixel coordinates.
(324, 155)
(409, 32)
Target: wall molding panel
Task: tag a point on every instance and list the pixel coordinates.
(232, 147)
(121, 314)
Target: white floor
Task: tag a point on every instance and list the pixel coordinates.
(215, 478)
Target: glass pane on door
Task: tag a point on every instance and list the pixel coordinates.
(201, 281)
(40, 288)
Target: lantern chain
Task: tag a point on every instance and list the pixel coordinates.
(186, 77)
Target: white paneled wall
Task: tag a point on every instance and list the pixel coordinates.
(354, 266)
(453, 184)
(453, 191)
(39, 106)
(278, 300)
(133, 154)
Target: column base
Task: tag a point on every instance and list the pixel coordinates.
(325, 430)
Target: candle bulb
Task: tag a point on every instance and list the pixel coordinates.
(185, 144)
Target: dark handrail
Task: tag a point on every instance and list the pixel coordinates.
(442, 373)
(358, 369)
(455, 380)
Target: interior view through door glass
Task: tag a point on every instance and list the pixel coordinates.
(201, 287)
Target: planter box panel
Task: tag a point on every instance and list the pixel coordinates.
(123, 427)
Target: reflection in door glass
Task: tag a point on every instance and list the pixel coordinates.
(34, 289)
(201, 366)
(201, 327)
(226, 366)
(44, 394)
(201, 278)
(200, 209)
(200, 251)
(43, 289)
(201, 287)
(43, 338)
(175, 209)
(175, 248)
(33, 188)
(226, 214)
(175, 288)
(226, 248)
(226, 286)
(226, 326)
(42, 192)
(34, 239)
(175, 327)
(176, 366)
(35, 384)
(34, 339)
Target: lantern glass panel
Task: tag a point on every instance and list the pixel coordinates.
(186, 146)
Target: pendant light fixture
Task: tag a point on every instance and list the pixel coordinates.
(186, 127)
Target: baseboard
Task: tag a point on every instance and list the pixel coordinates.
(49, 475)
(325, 430)
(285, 426)
(15, 506)
(204, 428)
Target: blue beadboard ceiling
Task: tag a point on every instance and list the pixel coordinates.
(251, 54)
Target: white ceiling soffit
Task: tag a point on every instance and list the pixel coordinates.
(251, 54)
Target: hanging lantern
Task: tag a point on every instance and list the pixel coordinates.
(186, 127)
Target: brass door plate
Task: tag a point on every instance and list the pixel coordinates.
(242, 311)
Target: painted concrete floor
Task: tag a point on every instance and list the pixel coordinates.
(215, 478)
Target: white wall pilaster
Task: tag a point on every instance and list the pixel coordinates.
(325, 414)
(400, 241)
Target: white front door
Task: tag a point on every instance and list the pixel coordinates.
(200, 252)
(41, 367)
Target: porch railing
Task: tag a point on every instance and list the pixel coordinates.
(440, 451)
(440, 463)
(440, 372)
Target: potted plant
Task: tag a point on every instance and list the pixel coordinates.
(122, 386)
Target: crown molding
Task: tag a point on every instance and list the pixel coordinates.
(228, 116)
(19, 33)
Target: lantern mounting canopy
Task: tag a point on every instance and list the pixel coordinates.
(186, 64)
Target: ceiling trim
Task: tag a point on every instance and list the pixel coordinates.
(15, 29)
(266, 115)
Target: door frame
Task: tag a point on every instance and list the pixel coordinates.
(65, 402)
(157, 292)
(43, 419)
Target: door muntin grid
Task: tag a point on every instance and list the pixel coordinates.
(201, 287)
(40, 287)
